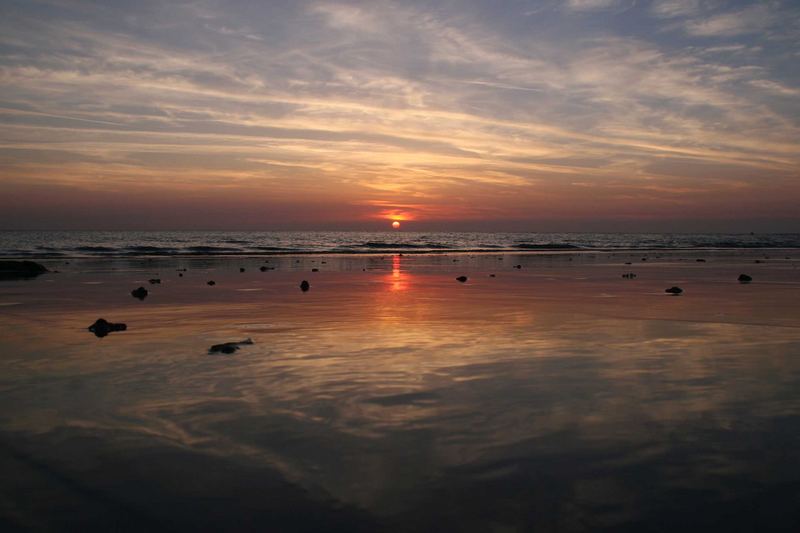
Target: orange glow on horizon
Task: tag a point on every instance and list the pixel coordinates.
(396, 224)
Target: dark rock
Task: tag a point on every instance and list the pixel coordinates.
(228, 347)
(241, 269)
(155, 281)
(629, 275)
(744, 278)
(324, 262)
(140, 293)
(628, 263)
(314, 270)
(757, 261)
(180, 274)
(491, 275)
(20, 269)
(518, 266)
(263, 269)
(462, 279)
(304, 285)
(701, 260)
(103, 327)
(211, 282)
(644, 259)
(674, 290)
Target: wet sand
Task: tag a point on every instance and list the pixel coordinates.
(555, 397)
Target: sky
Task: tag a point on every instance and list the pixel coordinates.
(573, 115)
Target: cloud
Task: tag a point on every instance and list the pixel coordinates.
(591, 5)
(385, 102)
(749, 20)
(675, 8)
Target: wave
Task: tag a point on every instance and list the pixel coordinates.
(212, 250)
(549, 246)
(96, 249)
(150, 250)
(402, 246)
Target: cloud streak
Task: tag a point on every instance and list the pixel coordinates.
(380, 104)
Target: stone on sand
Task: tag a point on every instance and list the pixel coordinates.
(228, 347)
(20, 269)
(140, 293)
(103, 327)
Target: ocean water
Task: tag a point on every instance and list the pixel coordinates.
(168, 243)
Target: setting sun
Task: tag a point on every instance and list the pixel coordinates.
(396, 224)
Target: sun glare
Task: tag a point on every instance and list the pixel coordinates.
(396, 224)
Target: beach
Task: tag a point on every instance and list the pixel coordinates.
(546, 392)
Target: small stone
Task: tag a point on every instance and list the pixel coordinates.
(155, 281)
(263, 269)
(462, 279)
(241, 269)
(211, 282)
(103, 327)
(701, 260)
(228, 347)
(140, 293)
(491, 275)
(304, 285)
(744, 278)
(180, 274)
(314, 270)
(518, 266)
(674, 290)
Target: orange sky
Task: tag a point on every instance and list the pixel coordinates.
(578, 115)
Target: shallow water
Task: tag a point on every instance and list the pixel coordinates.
(555, 397)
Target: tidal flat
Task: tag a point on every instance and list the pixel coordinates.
(558, 396)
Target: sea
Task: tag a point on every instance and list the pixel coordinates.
(249, 243)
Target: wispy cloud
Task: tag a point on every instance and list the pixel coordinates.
(385, 103)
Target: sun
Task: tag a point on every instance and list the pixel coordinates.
(396, 224)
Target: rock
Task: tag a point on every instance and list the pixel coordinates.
(491, 275)
(757, 261)
(140, 293)
(700, 260)
(263, 269)
(629, 275)
(211, 283)
(674, 290)
(20, 269)
(462, 279)
(314, 270)
(644, 259)
(228, 347)
(304, 285)
(180, 274)
(103, 327)
(744, 278)
(155, 281)
(628, 263)
(518, 266)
